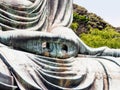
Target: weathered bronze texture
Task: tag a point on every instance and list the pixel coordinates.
(38, 50)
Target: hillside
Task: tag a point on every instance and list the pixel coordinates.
(93, 30)
(83, 20)
(118, 29)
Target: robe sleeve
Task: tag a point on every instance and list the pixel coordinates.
(60, 13)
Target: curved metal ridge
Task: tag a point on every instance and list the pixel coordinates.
(6, 80)
(20, 5)
(62, 15)
(35, 16)
(7, 87)
(65, 75)
(67, 19)
(27, 68)
(70, 76)
(41, 43)
(57, 63)
(22, 74)
(66, 61)
(18, 14)
(17, 19)
(50, 60)
(13, 24)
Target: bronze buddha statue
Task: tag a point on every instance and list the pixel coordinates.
(38, 50)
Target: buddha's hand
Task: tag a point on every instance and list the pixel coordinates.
(43, 43)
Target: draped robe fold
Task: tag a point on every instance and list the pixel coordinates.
(35, 72)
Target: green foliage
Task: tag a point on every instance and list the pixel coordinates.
(106, 37)
(74, 26)
(79, 18)
(98, 32)
(87, 20)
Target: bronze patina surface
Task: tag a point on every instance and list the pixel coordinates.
(38, 50)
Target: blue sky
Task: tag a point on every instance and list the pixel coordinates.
(109, 10)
